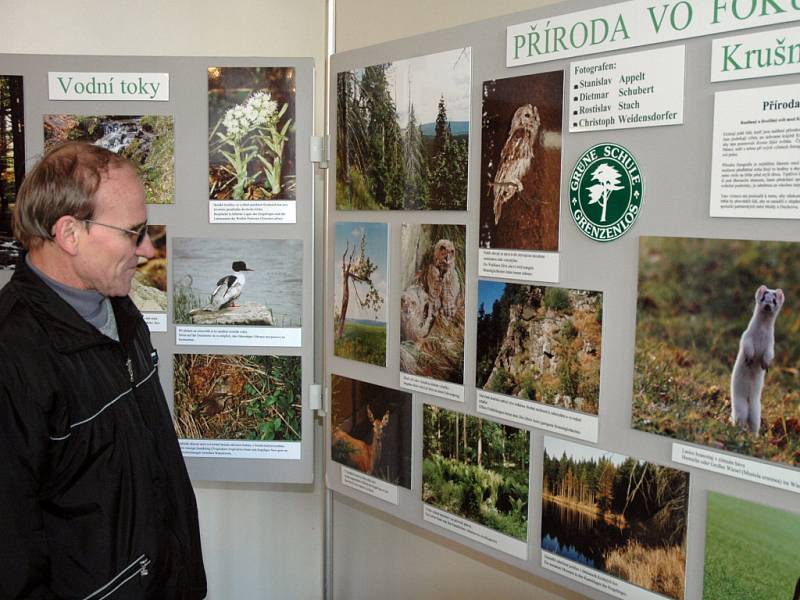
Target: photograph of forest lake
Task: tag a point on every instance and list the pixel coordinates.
(619, 515)
(402, 134)
(476, 469)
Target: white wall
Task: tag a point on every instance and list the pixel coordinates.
(259, 541)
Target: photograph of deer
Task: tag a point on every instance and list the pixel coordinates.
(619, 515)
(237, 282)
(521, 162)
(402, 134)
(751, 551)
(540, 343)
(432, 302)
(251, 138)
(476, 469)
(718, 344)
(149, 283)
(147, 140)
(12, 162)
(371, 429)
(360, 287)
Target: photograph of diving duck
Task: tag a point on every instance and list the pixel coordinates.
(237, 282)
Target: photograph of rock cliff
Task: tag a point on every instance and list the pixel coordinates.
(149, 284)
(432, 302)
(146, 140)
(540, 344)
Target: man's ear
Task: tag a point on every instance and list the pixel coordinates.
(66, 232)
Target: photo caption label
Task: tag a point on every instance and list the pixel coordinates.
(253, 211)
(196, 335)
(240, 449)
(156, 322)
(370, 485)
(475, 532)
(520, 265)
(432, 387)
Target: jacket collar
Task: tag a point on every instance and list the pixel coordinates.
(68, 331)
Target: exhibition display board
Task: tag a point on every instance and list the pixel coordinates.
(561, 298)
(222, 146)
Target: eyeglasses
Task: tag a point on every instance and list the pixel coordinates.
(137, 234)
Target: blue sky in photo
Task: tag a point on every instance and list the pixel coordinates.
(488, 292)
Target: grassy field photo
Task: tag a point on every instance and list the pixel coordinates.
(402, 134)
(540, 344)
(146, 140)
(361, 270)
(751, 550)
(521, 162)
(476, 469)
(371, 429)
(236, 397)
(432, 301)
(696, 298)
(619, 515)
(251, 133)
(12, 163)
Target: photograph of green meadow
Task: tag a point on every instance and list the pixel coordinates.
(476, 469)
(751, 551)
(402, 134)
(12, 163)
(540, 344)
(696, 298)
(432, 301)
(360, 269)
(251, 136)
(619, 515)
(146, 140)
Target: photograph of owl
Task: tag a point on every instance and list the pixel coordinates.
(516, 157)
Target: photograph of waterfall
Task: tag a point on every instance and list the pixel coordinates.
(12, 162)
(147, 140)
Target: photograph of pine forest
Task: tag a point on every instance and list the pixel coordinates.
(148, 141)
(476, 469)
(237, 397)
(697, 299)
(251, 135)
(540, 344)
(402, 134)
(12, 162)
(623, 516)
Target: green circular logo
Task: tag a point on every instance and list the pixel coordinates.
(605, 192)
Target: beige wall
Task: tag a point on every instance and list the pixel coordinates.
(259, 541)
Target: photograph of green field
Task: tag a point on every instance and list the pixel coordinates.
(371, 429)
(146, 140)
(237, 397)
(697, 299)
(361, 270)
(251, 135)
(476, 469)
(402, 134)
(12, 163)
(540, 344)
(521, 162)
(614, 513)
(751, 551)
(432, 301)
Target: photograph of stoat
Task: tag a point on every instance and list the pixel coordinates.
(756, 353)
(714, 365)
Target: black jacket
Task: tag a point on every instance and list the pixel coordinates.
(95, 501)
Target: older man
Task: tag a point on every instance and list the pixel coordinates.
(95, 501)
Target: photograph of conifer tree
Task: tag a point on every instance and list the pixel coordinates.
(12, 162)
(402, 134)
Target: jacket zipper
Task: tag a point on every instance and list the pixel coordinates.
(142, 570)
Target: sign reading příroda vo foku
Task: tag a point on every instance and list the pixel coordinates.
(605, 192)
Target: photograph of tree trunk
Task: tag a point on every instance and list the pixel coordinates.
(476, 469)
(521, 162)
(371, 429)
(359, 321)
(402, 134)
(12, 163)
(146, 140)
(619, 515)
(718, 344)
(540, 343)
(751, 551)
(235, 397)
(251, 136)
(432, 301)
